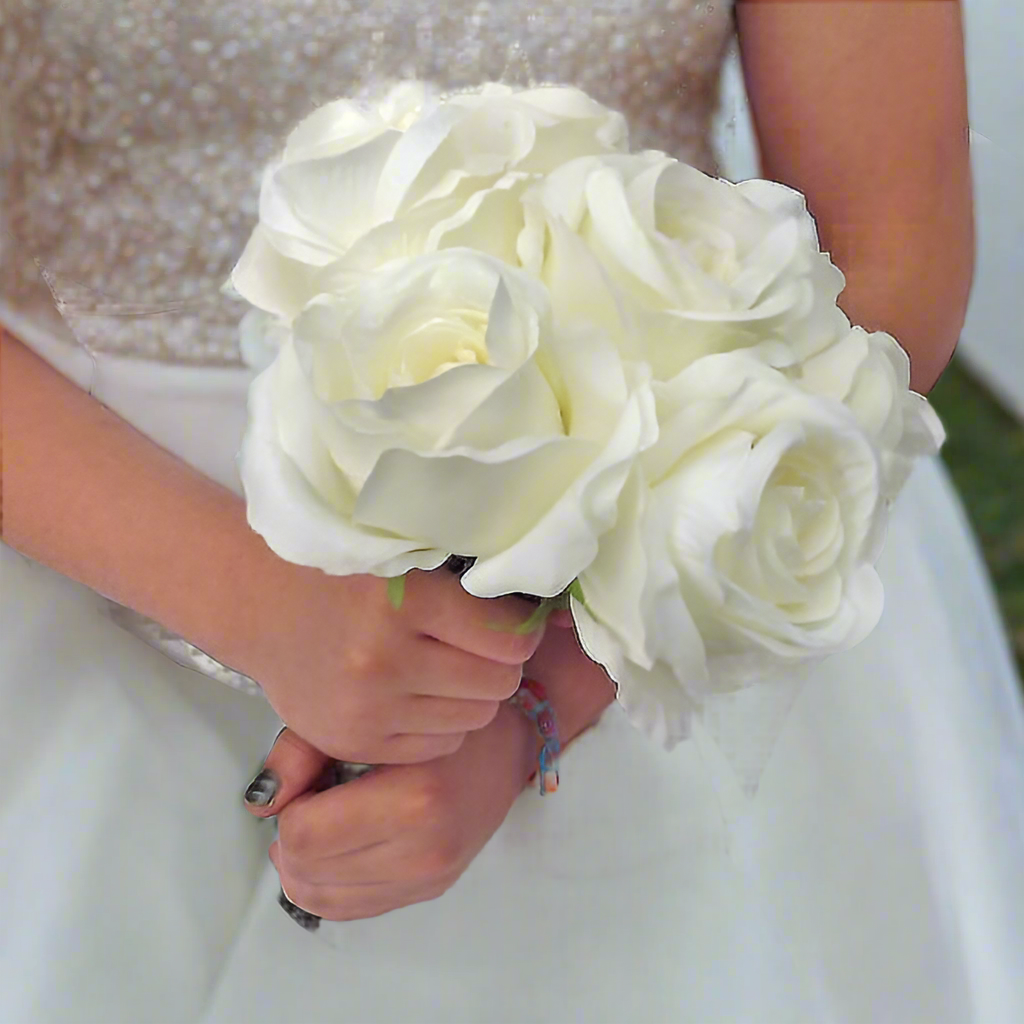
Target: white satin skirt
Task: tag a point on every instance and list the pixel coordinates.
(876, 875)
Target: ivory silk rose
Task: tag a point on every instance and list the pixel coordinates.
(697, 264)
(759, 532)
(360, 184)
(760, 514)
(440, 410)
(870, 373)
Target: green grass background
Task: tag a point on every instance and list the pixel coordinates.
(984, 451)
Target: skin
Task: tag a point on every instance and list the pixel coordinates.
(860, 105)
(404, 834)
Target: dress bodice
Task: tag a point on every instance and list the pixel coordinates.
(135, 132)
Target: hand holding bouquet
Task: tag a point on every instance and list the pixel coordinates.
(489, 330)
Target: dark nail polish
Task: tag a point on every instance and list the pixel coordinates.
(459, 564)
(303, 918)
(263, 789)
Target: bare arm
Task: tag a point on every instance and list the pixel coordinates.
(86, 494)
(862, 106)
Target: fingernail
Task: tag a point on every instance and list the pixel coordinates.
(459, 564)
(303, 918)
(263, 789)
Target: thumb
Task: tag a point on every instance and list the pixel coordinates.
(292, 768)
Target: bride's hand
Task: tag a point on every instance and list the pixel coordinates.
(401, 834)
(364, 682)
(404, 833)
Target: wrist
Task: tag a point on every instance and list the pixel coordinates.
(518, 736)
(579, 697)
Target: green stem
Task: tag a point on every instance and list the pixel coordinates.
(396, 591)
(540, 615)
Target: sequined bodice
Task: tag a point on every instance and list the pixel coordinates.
(134, 131)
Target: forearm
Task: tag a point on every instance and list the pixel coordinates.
(579, 703)
(913, 285)
(579, 691)
(862, 107)
(576, 710)
(902, 233)
(86, 494)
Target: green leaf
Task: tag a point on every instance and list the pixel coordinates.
(537, 619)
(543, 611)
(576, 591)
(396, 591)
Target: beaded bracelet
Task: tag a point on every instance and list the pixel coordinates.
(531, 698)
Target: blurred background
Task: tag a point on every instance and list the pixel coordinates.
(981, 396)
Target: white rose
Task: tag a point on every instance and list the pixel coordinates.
(701, 265)
(870, 373)
(411, 174)
(439, 411)
(748, 541)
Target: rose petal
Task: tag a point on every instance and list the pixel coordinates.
(334, 128)
(554, 551)
(652, 699)
(527, 392)
(328, 202)
(301, 424)
(480, 502)
(614, 582)
(270, 280)
(297, 524)
(400, 183)
(612, 230)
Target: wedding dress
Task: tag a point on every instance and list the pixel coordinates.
(874, 875)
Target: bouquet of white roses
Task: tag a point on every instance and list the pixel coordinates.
(490, 330)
